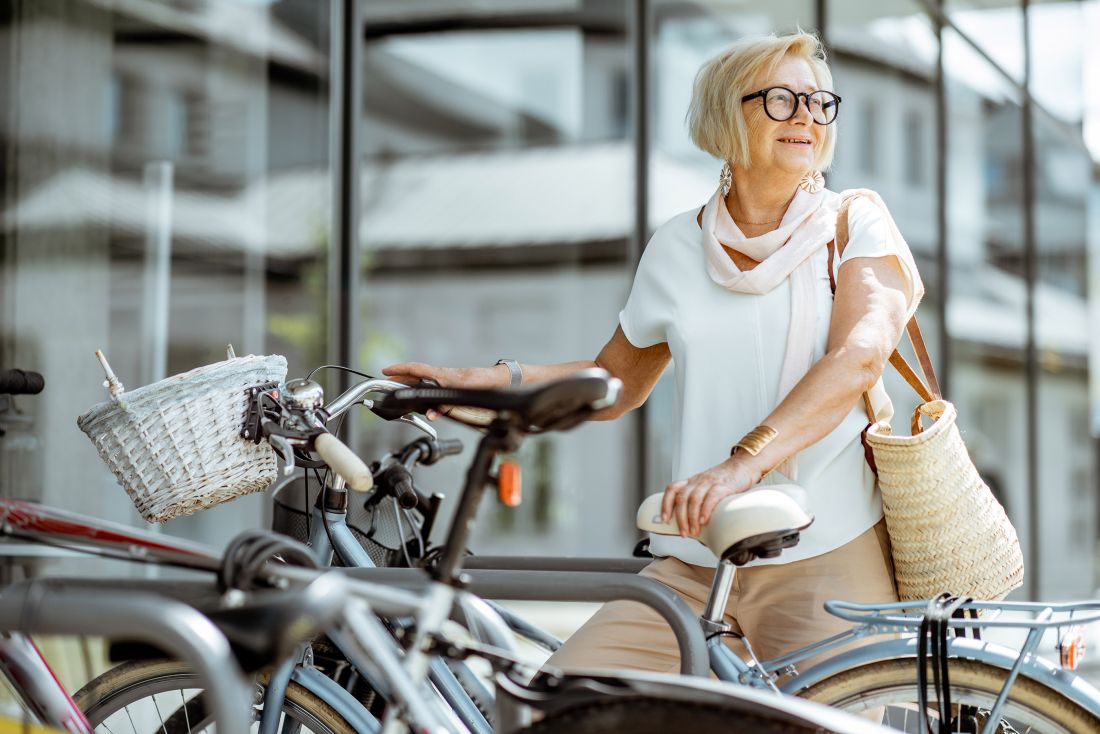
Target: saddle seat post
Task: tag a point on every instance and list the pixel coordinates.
(720, 587)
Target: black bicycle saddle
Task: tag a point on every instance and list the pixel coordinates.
(554, 406)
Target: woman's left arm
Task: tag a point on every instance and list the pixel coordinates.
(868, 318)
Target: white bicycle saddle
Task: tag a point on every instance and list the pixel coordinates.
(758, 523)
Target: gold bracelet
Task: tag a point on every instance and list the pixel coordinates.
(755, 440)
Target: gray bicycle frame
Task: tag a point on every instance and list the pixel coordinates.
(330, 529)
(46, 606)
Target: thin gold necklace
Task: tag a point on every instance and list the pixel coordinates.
(756, 224)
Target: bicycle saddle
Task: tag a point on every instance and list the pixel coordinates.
(554, 406)
(758, 523)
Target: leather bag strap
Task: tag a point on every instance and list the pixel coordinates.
(929, 388)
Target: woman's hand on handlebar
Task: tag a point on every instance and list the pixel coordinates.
(456, 377)
(692, 501)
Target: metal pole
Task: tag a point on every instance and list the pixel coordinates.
(943, 369)
(1031, 267)
(156, 285)
(47, 607)
(572, 587)
(641, 28)
(346, 104)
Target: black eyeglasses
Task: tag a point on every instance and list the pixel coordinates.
(781, 104)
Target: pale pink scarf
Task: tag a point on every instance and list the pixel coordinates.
(808, 225)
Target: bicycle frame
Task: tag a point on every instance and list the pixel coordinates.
(35, 522)
(329, 536)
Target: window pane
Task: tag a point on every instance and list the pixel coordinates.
(682, 176)
(1068, 509)
(164, 193)
(497, 218)
(986, 307)
(884, 66)
(996, 27)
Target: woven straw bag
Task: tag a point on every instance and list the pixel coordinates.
(175, 445)
(947, 530)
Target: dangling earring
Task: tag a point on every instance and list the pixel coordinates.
(725, 179)
(812, 182)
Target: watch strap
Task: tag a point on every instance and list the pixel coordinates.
(513, 369)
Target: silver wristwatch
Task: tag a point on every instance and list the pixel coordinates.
(513, 369)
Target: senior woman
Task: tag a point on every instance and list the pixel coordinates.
(737, 296)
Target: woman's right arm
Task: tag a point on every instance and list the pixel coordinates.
(639, 370)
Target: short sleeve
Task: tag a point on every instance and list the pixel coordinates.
(870, 234)
(647, 313)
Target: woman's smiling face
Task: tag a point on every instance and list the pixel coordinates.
(790, 146)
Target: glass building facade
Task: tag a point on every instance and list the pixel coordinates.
(455, 183)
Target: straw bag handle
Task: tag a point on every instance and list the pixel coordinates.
(929, 388)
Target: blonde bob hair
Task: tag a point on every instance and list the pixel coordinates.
(716, 118)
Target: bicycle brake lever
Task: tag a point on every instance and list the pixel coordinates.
(285, 449)
(415, 419)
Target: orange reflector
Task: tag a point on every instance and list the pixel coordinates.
(1071, 649)
(509, 483)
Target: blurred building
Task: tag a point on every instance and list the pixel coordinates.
(170, 172)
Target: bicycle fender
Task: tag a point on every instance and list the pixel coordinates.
(345, 704)
(1067, 684)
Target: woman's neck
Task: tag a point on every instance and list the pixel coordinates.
(759, 197)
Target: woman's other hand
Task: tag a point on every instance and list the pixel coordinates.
(692, 501)
(456, 377)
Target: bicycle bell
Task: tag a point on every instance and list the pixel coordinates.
(304, 394)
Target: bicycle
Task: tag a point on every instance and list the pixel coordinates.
(567, 702)
(1006, 688)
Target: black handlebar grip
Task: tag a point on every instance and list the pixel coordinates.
(399, 480)
(392, 414)
(21, 382)
(404, 493)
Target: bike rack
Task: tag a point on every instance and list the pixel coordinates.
(570, 586)
(557, 563)
(54, 607)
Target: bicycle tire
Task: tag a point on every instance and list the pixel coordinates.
(131, 683)
(893, 684)
(658, 716)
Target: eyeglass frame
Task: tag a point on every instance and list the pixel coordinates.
(763, 93)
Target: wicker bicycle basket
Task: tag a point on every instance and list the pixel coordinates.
(175, 445)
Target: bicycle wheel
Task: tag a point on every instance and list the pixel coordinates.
(152, 696)
(892, 685)
(657, 716)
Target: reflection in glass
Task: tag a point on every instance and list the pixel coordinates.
(165, 193)
(1067, 460)
(883, 60)
(987, 298)
(996, 27)
(497, 214)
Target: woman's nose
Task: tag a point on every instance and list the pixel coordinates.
(802, 112)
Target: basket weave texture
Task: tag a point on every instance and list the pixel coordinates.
(948, 531)
(175, 445)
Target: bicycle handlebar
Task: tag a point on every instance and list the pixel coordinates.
(21, 382)
(344, 462)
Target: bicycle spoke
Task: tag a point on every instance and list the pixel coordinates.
(131, 718)
(183, 705)
(160, 716)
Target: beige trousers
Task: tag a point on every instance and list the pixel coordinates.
(778, 608)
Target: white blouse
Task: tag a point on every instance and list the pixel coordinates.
(727, 350)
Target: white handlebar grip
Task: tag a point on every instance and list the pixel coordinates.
(473, 416)
(344, 462)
